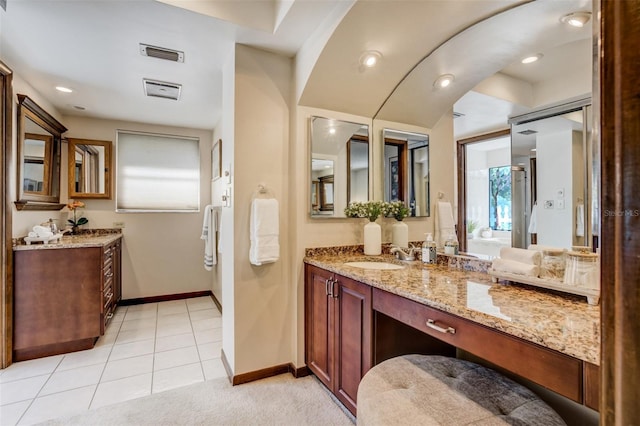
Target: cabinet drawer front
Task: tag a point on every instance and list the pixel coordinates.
(556, 371)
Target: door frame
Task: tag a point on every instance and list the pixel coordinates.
(6, 280)
(462, 180)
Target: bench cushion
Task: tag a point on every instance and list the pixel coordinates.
(437, 390)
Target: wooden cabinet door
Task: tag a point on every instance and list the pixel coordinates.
(117, 272)
(353, 336)
(319, 325)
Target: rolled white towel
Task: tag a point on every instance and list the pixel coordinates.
(529, 257)
(32, 234)
(515, 267)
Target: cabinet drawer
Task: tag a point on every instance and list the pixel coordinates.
(556, 371)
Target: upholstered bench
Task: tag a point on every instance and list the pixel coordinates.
(436, 390)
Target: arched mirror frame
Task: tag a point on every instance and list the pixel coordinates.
(103, 176)
(26, 200)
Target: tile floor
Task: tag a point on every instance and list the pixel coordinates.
(146, 349)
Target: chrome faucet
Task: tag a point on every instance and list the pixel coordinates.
(403, 255)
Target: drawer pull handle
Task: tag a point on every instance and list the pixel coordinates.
(432, 324)
(326, 286)
(110, 315)
(334, 294)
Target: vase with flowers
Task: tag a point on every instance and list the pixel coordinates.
(399, 230)
(76, 222)
(372, 231)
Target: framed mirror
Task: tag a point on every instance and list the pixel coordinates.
(89, 165)
(39, 144)
(339, 166)
(406, 170)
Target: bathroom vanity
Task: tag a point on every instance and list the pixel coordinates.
(358, 317)
(65, 293)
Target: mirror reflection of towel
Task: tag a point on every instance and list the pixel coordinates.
(533, 220)
(580, 220)
(446, 224)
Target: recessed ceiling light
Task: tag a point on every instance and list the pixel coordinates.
(443, 81)
(532, 58)
(370, 58)
(332, 130)
(79, 107)
(576, 19)
(63, 89)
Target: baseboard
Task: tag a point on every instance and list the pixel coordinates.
(263, 373)
(227, 367)
(299, 372)
(216, 301)
(165, 298)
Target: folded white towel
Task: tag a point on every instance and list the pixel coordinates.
(264, 231)
(529, 257)
(514, 267)
(209, 225)
(32, 234)
(445, 223)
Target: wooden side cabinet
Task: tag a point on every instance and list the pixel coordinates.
(338, 347)
(63, 298)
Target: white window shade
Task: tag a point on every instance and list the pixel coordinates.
(157, 173)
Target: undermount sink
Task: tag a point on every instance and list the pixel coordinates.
(375, 265)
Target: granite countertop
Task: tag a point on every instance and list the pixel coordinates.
(564, 323)
(87, 238)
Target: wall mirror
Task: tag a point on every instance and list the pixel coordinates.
(89, 165)
(551, 176)
(406, 170)
(339, 166)
(39, 144)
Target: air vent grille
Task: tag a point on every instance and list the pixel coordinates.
(161, 53)
(528, 132)
(162, 89)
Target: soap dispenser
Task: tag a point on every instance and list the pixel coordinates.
(429, 250)
(451, 245)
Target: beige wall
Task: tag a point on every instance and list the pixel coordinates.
(262, 295)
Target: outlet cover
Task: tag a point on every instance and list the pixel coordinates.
(118, 225)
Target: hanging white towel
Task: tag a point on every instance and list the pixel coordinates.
(580, 220)
(446, 224)
(533, 220)
(209, 226)
(264, 231)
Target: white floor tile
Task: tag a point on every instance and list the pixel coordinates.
(173, 329)
(207, 324)
(201, 304)
(169, 309)
(84, 358)
(139, 324)
(122, 390)
(175, 358)
(31, 368)
(134, 315)
(58, 405)
(204, 314)
(10, 414)
(176, 377)
(72, 379)
(143, 307)
(119, 369)
(174, 342)
(135, 335)
(21, 390)
(210, 350)
(213, 369)
(179, 318)
(128, 350)
(106, 340)
(208, 336)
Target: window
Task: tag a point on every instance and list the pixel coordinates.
(500, 198)
(157, 173)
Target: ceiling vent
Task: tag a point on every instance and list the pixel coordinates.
(161, 53)
(528, 132)
(162, 89)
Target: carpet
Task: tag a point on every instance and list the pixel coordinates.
(279, 400)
